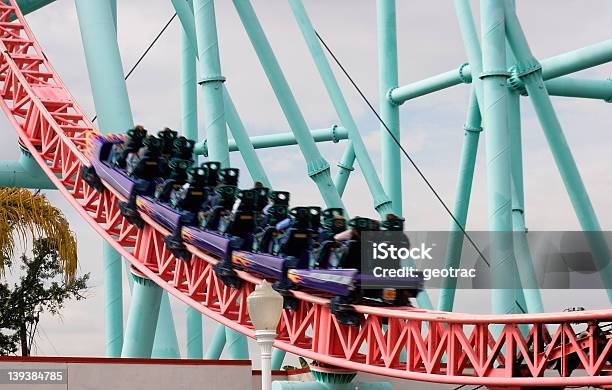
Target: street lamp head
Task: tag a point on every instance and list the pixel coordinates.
(265, 307)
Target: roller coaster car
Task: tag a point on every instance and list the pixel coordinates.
(342, 283)
(99, 155)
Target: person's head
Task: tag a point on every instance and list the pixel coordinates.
(258, 184)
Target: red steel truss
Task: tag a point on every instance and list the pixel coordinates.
(554, 349)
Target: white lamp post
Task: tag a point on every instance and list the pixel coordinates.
(265, 308)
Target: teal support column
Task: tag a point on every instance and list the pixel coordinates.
(236, 344)
(470, 43)
(211, 80)
(113, 300)
(243, 142)
(318, 168)
(495, 110)
(389, 112)
(189, 92)
(278, 356)
(463, 191)
(195, 342)
(165, 344)
(104, 65)
(532, 79)
(215, 349)
(24, 172)
(382, 203)
(215, 119)
(109, 91)
(189, 124)
(530, 300)
(524, 261)
(142, 319)
(345, 167)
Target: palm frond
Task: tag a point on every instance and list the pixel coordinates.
(24, 214)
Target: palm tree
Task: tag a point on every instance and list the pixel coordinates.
(28, 214)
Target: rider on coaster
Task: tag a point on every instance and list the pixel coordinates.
(189, 201)
(296, 242)
(351, 257)
(145, 172)
(333, 223)
(273, 213)
(129, 149)
(182, 159)
(167, 138)
(219, 205)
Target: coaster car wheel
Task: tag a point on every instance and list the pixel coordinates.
(91, 177)
(130, 213)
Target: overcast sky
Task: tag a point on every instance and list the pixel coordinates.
(431, 127)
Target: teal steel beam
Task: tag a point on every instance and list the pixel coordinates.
(524, 261)
(243, 142)
(215, 124)
(207, 30)
(345, 167)
(553, 67)
(235, 124)
(389, 112)
(98, 33)
(142, 318)
(215, 349)
(382, 203)
(461, 75)
(211, 80)
(29, 6)
(472, 127)
(463, 191)
(189, 91)
(189, 124)
(278, 356)
(333, 134)
(165, 343)
(318, 168)
(104, 65)
(580, 88)
(471, 44)
(24, 173)
(532, 77)
(195, 342)
(495, 110)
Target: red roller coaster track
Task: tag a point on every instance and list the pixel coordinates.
(494, 350)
